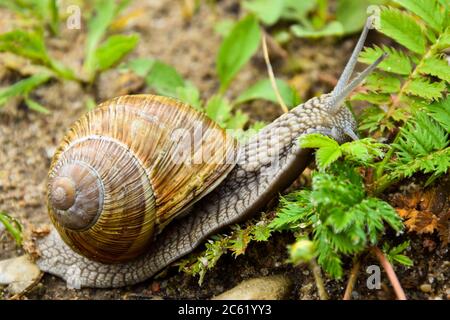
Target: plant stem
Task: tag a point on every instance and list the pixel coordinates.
(272, 76)
(390, 273)
(323, 295)
(352, 279)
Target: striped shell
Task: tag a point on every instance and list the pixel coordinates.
(127, 168)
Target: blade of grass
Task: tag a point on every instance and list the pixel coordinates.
(12, 226)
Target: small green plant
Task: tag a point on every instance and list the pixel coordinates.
(395, 254)
(412, 76)
(30, 44)
(22, 88)
(312, 18)
(12, 226)
(341, 216)
(43, 12)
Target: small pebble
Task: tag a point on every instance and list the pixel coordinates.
(426, 287)
(264, 288)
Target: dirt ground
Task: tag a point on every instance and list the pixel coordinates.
(28, 141)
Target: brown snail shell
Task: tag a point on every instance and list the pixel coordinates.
(114, 182)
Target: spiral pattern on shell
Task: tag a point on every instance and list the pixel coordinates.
(127, 168)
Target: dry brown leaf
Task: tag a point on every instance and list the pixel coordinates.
(426, 211)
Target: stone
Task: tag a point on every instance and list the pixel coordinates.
(275, 287)
(18, 274)
(426, 287)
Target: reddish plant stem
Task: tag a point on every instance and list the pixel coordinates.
(352, 279)
(390, 273)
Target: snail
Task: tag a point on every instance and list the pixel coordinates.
(126, 198)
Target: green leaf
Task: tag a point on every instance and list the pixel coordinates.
(114, 49)
(33, 105)
(12, 226)
(267, 11)
(382, 83)
(428, 10)
(29, 45)
(404, 260)
(425, 89)
(189, 94)
(237, 49)
(317, 140)
(224, 27)
(352, 14)
(263, 90)
(325, 156)
(437, 67)
(440, 111)
(404, 29)
(375, 98)
(140, 66)
(23, 87)
(396, 61)
(105, 12)
(218, 109)
(164, 79)
(333, 28)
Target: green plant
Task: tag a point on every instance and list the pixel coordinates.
(422, 145)
(30, 44)
(22, 90)
(12, 226)
(413, 76)
(394, 255)
(45, 12)
(312, 18)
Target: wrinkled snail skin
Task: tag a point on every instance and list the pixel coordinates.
(267, 164)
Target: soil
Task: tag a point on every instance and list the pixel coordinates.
(28, 141)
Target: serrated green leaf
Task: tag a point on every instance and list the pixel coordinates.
(425, 89)
(396, 61)
(267, 11)
(23, 87)
(333, 28)
(437, 67)
(375, 98)
(33, 105)
(316, 140)
(444, 39)
(325, 156)
(237, 120)
(164, 79)
(440, 111)
(382, 83)
(113, 50)
(402, 27)
(237, 49)
(263, 90)
(428, 10)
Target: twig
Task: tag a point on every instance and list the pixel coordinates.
(390, 273)
(323, 295)
(272, 76)
(352, 279)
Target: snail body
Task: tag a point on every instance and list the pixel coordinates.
(179, 204)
